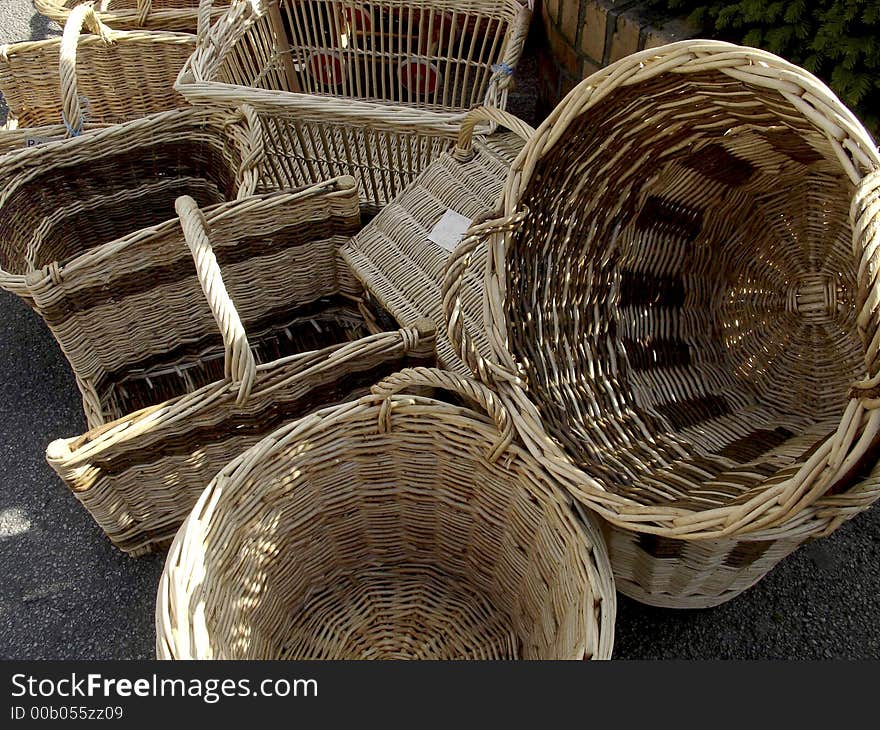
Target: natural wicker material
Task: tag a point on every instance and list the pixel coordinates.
(62, 199)
(100, 78)
(370, 125)
(387, 528)
(688, 330)
(176, 15)
(289, 334)
(393, 255)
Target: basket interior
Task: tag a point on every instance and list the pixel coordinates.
(682, 293)
(142, 331)
(433, 55)
(323, 323)
(350, 544)
(383, 161)
(61, 210)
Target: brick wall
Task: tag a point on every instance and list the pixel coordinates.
(581, 36)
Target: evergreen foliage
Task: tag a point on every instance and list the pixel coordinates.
(838, 40)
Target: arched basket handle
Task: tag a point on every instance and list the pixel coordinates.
(465, 387)
(81, 16)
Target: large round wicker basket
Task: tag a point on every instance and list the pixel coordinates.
(677, 313)
(391, 527)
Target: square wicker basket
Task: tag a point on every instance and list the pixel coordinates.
(375, 90)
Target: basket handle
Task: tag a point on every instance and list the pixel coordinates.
(464, 147)
(203, 18)
(453, 279)
(240, 366)
(465, 387)
(253, 152)
(144, 8)
(502, 75)
(81, 15)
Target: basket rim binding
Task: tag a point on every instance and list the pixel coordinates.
(772, 506)
(181, 573)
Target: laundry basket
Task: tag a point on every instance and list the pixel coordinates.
(216, 361)
(375, 90)
(677, 314)
(60, 200)
(176, 15)
(104, 77)
(401, 254)
(395, 527)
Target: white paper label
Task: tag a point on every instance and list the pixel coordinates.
(36, 141)
(450, 229)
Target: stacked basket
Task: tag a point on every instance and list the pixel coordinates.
(660, 352)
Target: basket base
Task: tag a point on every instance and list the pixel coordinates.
(398, 612)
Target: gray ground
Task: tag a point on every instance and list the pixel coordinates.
(67, 594)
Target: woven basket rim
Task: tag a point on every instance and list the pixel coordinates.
(858, 157)
(227, 484)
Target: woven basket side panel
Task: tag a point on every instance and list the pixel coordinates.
(426, 54)
(137, 325)
(174, 15)
(704, 295)
(53, 203)
(140, 490)
(114, 84)
(463, 562)
(384, 162)
(692, 574)
(403, 269)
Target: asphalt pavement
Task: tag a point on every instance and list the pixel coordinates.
(68, 594)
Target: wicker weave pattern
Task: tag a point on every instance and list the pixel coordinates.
(687, 332)
(393, 255)
(155, 15)
(260, 54)
(384, 529)
(62, 199)
(225, 359)
(100, 78)
(432, 54)
(128, 353)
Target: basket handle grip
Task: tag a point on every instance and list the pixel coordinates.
(240, 366)
(80, 16)
(144, 8)
(502, 75)
(465, 387)
(464, 147)
(203, 18)
(453, 279)
(253, 151)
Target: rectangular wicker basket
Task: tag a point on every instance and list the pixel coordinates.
(395, 255)
(375, 90)
(93, 78)
(67, 207)
(198, 365)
